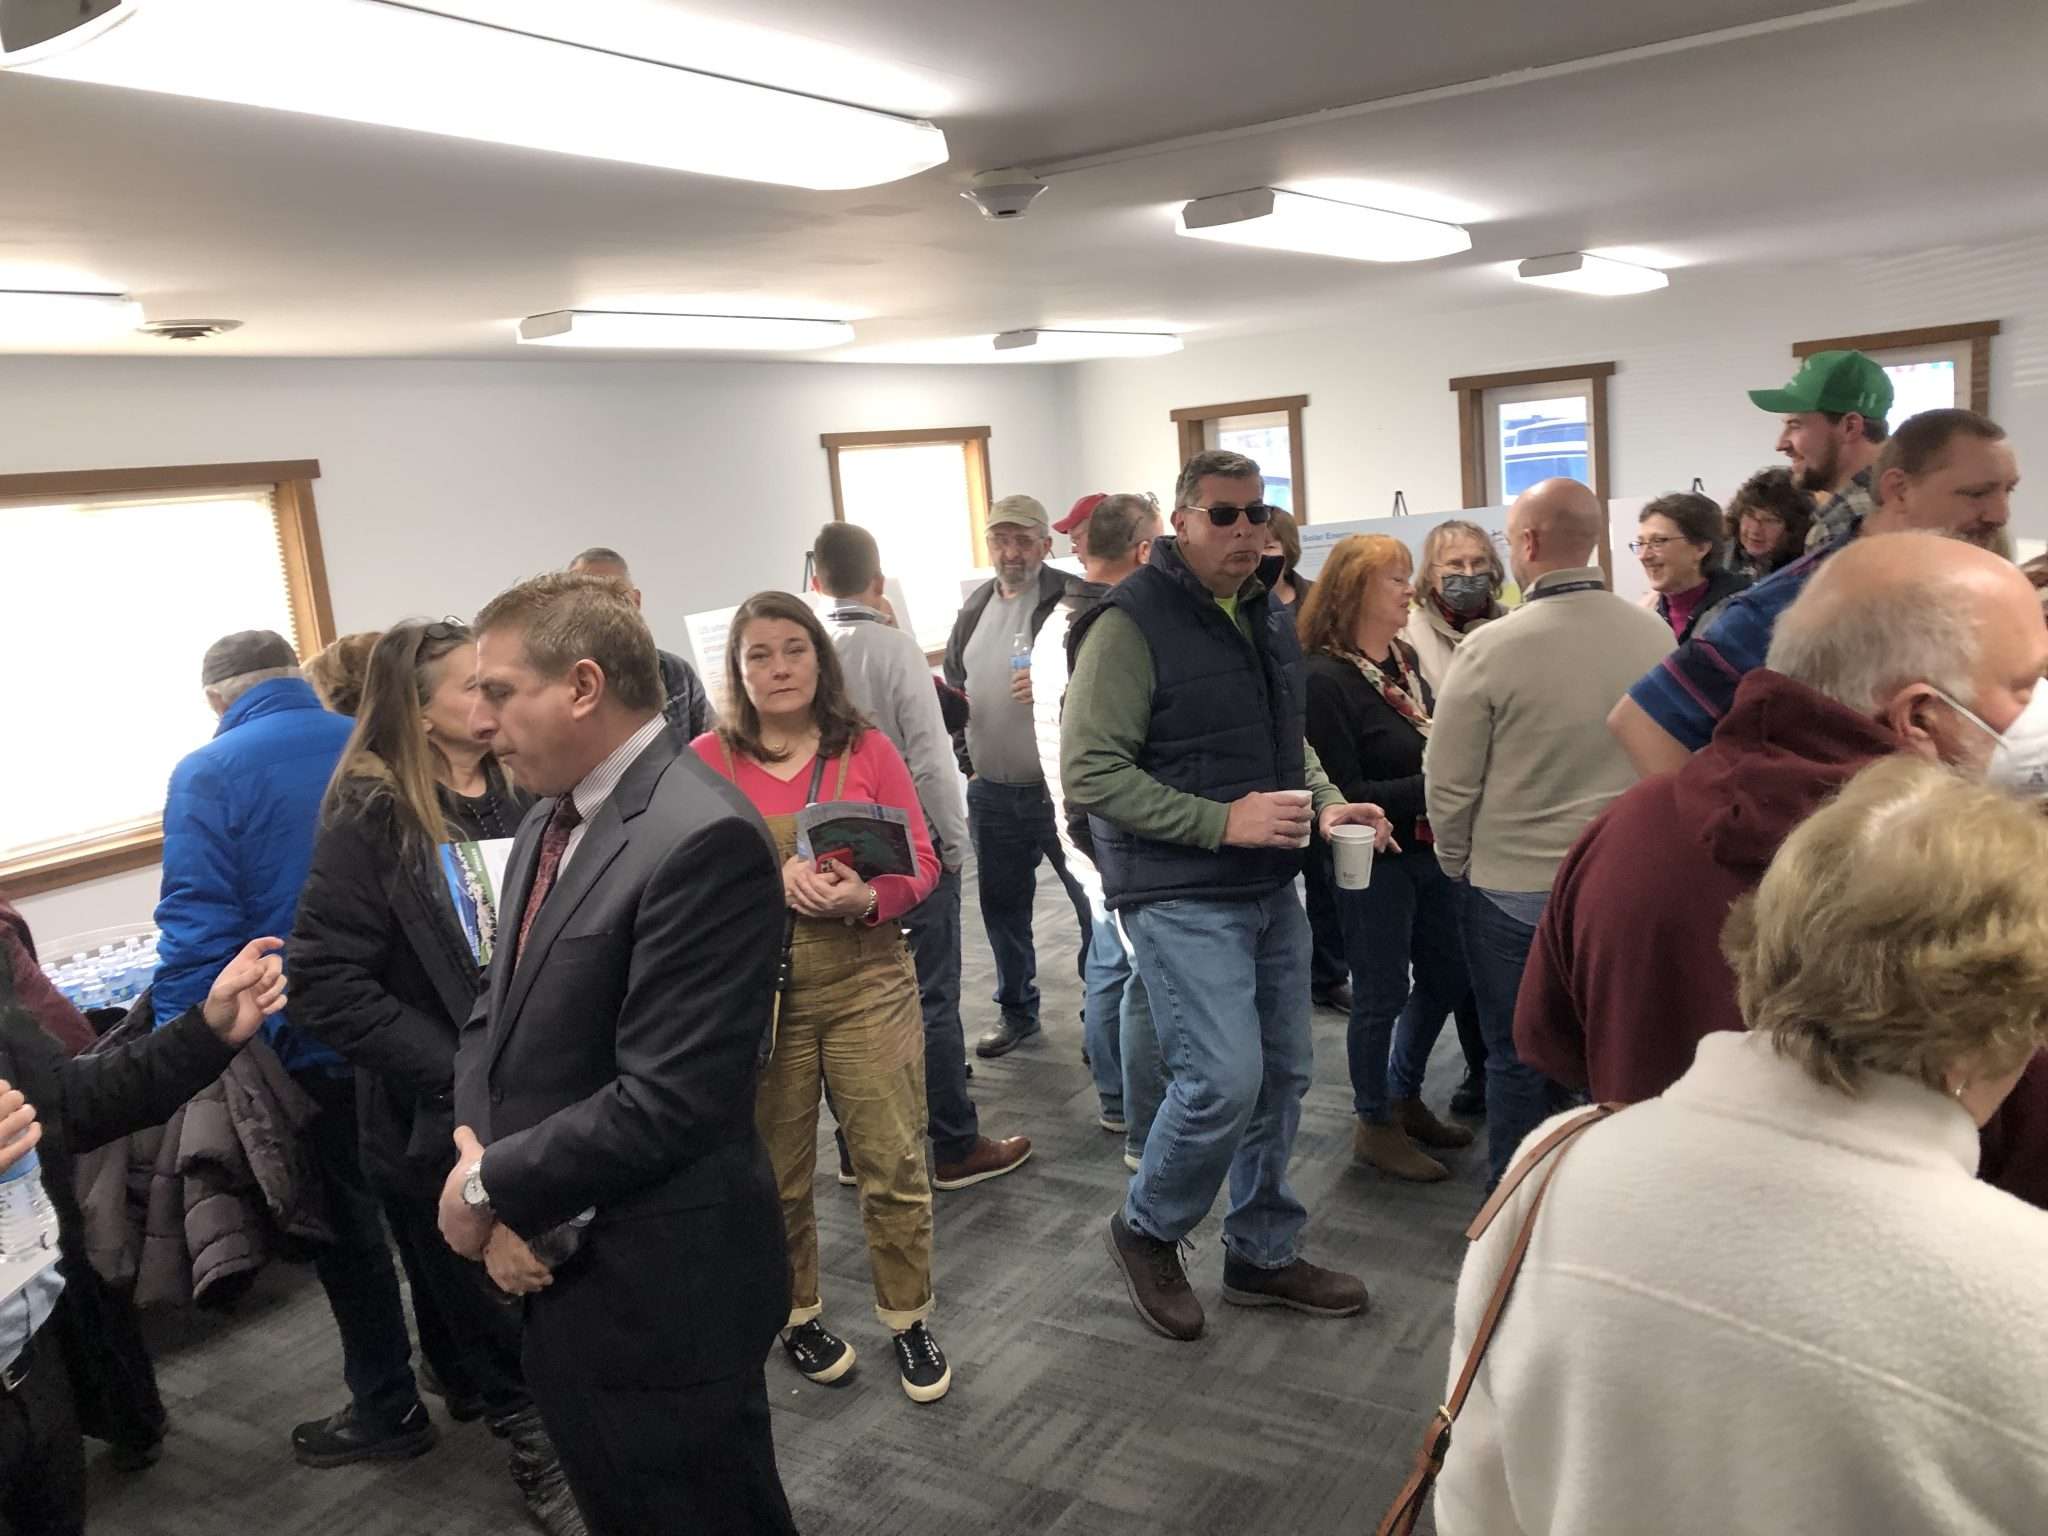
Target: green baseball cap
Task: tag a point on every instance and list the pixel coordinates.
(1832, 381)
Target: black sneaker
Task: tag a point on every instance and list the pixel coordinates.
(926, 1376)
(819, 1353)
(342, 1437)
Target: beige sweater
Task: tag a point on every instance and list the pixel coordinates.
(1519, 757)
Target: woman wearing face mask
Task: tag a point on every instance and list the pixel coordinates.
(383, 971)
(1368, 720)
(1277, 565)
(1678, 539)
(1462, 578)
(849, 1019)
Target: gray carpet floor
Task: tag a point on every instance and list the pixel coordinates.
(1067, 1415)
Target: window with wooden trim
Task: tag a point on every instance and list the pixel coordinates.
(120, 580)
(1266, 431)
(1935, 367)
(1515, 429)
(924, 494)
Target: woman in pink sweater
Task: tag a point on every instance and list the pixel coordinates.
(849, 1018)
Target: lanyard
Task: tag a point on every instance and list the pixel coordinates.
(1591, 585)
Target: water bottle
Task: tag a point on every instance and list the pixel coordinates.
(1020, 654)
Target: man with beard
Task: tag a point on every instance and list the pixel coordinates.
(1834, 411)
(1009, 814)
(1947, 471)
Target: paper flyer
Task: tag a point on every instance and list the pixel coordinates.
(476, 880)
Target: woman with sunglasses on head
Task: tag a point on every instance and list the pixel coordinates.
(384, 971)
(1678, 539)
(848, 1020)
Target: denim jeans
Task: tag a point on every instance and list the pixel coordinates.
(1518, 1097)
(1228, 984)
(1144, 1074)
(934, 928)
(1123, 1051)
(1011, 825)
(1408, 913)
(356, 1269)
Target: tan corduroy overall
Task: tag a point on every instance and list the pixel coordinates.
(850, 1022)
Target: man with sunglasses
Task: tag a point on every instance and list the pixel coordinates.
(1182, 739)
(239, 825)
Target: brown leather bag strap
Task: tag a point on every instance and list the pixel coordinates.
(1436, 1442)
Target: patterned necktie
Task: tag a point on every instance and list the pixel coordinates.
(554, 842)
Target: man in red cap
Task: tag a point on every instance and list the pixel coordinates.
(1075, 524)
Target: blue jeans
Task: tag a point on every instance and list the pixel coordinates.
(1518, 1097)
(1228, 984)
(1123, 1052)
(1011, 825)
(934, 928)
(1408, 913)
(1144, 1073)
(1328, 964)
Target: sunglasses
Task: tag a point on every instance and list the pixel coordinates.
(1223, 515)
(449, 628)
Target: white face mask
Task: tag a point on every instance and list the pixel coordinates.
(2019, 755)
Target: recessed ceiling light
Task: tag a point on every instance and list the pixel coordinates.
(681, 333)
(1055, 346)
(1577, 272)
(1291, 221)
(36, 316)
(368, 61)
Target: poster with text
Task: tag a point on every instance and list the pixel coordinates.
(1317, 539)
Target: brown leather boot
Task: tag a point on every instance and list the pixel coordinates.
(1387, 1148)
(1425, 1130)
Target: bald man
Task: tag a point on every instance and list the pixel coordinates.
(1519, 760)
(1884, 651)
(685, 703)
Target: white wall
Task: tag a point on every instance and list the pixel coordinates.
(442, 483)
(1381, 417)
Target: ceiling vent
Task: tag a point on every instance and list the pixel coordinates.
(188, 330)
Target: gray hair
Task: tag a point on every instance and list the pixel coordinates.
(1119, 524)
(1861, 654)
(1213, 461)
(229, 689)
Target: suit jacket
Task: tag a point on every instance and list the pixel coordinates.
(612, 1064)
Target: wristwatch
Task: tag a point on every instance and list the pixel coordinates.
(473, 1194)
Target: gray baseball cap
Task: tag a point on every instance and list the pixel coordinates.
(252, 650)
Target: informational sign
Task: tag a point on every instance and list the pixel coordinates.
(1317, 539)
(1623, 513)
(708, 632)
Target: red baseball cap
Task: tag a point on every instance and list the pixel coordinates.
(1079, 513)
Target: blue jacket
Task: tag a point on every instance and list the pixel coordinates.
(239, 824)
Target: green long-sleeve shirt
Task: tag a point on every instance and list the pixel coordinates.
(1102, 732)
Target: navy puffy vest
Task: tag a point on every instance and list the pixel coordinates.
(1227, 719)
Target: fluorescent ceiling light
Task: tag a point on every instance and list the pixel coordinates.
(1577, 272)
(32, 316)
(1291, 221)
(681, 333)
(369, 61)
(1047, 346)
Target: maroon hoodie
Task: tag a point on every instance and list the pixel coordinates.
(1626, 974)
(35, 991)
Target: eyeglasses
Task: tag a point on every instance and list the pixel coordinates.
(1654, 544)
(1222, 515)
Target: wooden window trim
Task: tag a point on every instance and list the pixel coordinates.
(980, 482)
(1473, 447)
(1190, 424)
(298, 526)
(1977, 332)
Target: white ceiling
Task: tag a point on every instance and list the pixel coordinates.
(1884, 129)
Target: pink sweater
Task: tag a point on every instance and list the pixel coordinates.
(874, 772)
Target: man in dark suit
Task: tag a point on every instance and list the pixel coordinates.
(613, 1175)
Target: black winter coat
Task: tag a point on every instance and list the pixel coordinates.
(382, 973)
(1369, 751)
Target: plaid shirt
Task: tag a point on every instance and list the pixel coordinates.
(1837, 522)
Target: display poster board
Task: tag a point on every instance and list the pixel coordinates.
(1623, 513)
(1317, 539)
(708, 632)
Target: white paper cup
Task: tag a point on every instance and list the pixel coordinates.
(1306, 801)
(1352, 844)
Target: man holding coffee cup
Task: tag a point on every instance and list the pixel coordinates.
(1182, 739)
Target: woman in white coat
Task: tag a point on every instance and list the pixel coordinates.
(1777, 1298)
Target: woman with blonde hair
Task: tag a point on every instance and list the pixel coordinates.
(849, 1020)
(1368, 720)
(1777, 1298)
(1462, 580)
(337, 671)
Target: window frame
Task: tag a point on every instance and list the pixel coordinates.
(1475, 450)
(305, 567)
(1191, 434)
(973, 444)
(1977, 333)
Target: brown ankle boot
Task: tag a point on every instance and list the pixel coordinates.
(1425, 1130)
(1387, 1148)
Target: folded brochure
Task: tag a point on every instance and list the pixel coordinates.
(870, 839)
